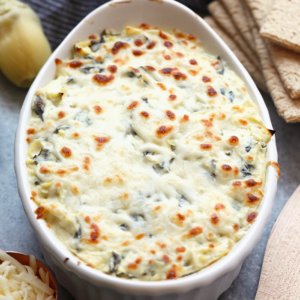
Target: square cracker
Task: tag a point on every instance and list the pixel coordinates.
(249, 66)
(221, 16)
(286, 61)
(287, 108)
(282, 24)
(239, 18)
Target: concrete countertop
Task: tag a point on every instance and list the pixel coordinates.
(16, 233)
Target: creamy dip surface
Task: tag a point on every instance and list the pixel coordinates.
(147, 156)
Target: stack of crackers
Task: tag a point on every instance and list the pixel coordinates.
(265, 36)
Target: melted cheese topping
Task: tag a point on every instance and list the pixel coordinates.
(147, 155)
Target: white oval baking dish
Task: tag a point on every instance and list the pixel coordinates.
(87, 283)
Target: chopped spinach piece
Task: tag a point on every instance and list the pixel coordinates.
(231, 96)
(248, 148)
(78, 233)
(124, 227)
(246, 169)
(221, 69)
(62, 127)
(38, 107)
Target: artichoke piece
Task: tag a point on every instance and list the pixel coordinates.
(35, 148)
(62, 127)
(54, 97)
(23, 46)
(260, 132)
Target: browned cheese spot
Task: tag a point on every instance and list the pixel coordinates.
(140, 236)
(205, 146)
(172, 97)
(195, 231)
(133, 104)
(167, 71)
(75, 64)
(163, 35)
(138, 42)
(214, 218)
(180, 249)
(144, 26)
(193, 62)
(145, 114)
(31, 131)
(170, 115)
(103, 79)
(243, 122)
(118, 46)
(44, 170)
(132, 266)
(251, 217)
(163, 130)
(234, 140)
(61, 114)
(167, 57)
(207, 123)
(98, 109)
(168, 44)
(101, 141)
(184, 119)
(180, 217)
(95, 233)
(235, 227)
(179, 75)
(211, 91)
(252, 198)
(226, 167)
(112, 68)
(166, 258)
(150, 68)
(251, 182)
(162, 86)
(66, 152)
(172, 273)
(151, 45)
(137, 52)
(206, 79)
(40, 211)
(219, 206)
(58, 61)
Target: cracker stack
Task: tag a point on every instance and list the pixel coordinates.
(265, 36)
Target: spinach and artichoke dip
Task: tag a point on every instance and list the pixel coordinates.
(147, 156)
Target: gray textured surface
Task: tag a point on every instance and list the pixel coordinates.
(16, 233)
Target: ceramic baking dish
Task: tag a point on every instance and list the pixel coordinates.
(85, 282)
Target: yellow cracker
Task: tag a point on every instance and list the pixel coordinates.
(249, 66)
(238, 16)
(282, 24)
(221, 16)
(287, 62)
(287, 107)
